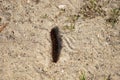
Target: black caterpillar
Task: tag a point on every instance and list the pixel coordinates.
(56, 43)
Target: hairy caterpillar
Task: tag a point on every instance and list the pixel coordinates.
(56, 43)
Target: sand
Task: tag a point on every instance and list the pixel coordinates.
(91, 46)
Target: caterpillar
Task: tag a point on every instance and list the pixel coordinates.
(56, 43)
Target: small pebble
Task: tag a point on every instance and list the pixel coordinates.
(62, 6)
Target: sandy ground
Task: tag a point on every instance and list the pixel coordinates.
(91, 46)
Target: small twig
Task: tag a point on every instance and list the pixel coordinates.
(3, 26)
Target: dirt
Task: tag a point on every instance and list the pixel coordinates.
(91, 45)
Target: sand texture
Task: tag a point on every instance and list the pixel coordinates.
(90, 31)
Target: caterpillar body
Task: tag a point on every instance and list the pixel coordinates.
(56, 43)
